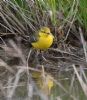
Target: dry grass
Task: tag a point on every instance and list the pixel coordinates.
(65, 61)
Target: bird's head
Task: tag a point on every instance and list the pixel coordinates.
(45, 31)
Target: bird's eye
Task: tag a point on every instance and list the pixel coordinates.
(48, 33)
(43, 31)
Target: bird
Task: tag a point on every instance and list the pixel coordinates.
(44, 39)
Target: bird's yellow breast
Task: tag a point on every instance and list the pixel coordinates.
(44, 41)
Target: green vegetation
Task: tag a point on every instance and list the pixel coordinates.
(82, 13)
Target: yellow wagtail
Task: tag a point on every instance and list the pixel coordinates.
(44, 39)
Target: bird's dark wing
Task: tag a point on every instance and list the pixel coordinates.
(33, 38)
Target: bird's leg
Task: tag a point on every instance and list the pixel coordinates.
(37, 56)
(40, 57)
(42, 54)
